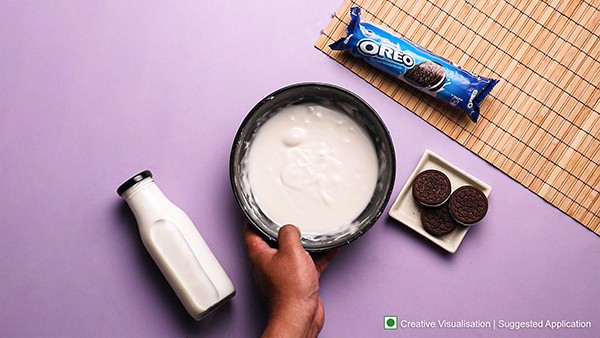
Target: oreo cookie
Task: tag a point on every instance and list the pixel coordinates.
(438, 221)
(431, 188)
(468, 205)
(429, 74)
(415, 65)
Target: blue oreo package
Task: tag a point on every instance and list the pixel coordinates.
(415, 65)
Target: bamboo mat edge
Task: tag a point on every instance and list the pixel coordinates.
(457, 127)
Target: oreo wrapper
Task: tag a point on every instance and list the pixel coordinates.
(415, 65)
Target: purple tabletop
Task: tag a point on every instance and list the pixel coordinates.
(92, 92)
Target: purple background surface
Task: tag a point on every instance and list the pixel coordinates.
(92, 92)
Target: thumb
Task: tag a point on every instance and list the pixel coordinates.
(289, 239)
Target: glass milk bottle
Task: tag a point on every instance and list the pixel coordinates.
(177, 247)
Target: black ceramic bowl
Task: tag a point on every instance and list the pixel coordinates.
(335, 98)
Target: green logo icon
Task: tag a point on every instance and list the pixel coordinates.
(390, 322)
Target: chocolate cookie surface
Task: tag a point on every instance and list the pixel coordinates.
(431, 188)
(438, 221)
(428, 74)
(468, 205)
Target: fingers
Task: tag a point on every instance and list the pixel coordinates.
(289, 239)
(323, 260)
(289, 242)
(254, 242)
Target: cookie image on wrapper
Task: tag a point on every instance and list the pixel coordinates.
(429, 74)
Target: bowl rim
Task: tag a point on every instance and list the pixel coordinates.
(387, 137)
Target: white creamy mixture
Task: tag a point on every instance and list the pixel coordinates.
(312, 167)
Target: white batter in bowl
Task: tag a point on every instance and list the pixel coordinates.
(316, 156)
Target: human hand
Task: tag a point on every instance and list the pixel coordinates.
(289, 278)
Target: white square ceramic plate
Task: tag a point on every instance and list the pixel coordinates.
(406, 210)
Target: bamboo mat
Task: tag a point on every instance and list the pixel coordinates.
(541, 123)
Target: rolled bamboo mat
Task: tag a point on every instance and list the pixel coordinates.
(541, 123)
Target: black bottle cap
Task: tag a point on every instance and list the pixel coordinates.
(132, 181)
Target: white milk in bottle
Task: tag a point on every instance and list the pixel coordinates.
(177, 247)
